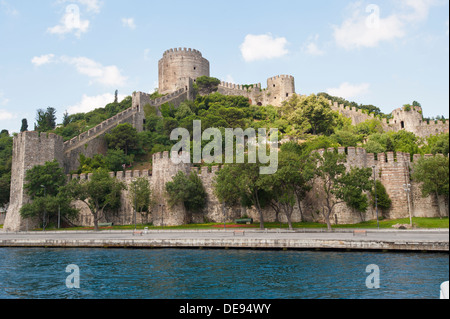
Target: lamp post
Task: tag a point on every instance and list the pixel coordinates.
(407, 188)
(162, 215)
(375, 191)
(135, 204)
(43, 219)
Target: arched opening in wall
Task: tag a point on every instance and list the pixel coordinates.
(402, 124)
(195, 68)
(287, 94)
(259, 104)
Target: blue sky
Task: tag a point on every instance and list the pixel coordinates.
(73, 54)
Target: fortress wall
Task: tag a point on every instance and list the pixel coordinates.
(431, 128)
(279, 89)
(163, 171)
(410, 121)
(429, 206)
(141, 99)
(391, 169)
(29, 149)
(125, 215)
(92, 142)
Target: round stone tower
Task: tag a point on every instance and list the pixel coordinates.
(281, 88)
(179, 65)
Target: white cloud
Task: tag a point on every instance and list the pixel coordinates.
(417, 10)
(5, 115)
(105, 75)
(92, 6)
(263, 47)
(43, 59)
(3, 99)
(312, 48)
(366, 28)
(89, 103)
(347, 90)
(71, 22)
(129, 23)
(8, 8)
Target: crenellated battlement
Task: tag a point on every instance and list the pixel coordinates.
(182, 51)
(281, 76)
(358, 156)
(125, 176)
(240, 87)
(40, 137)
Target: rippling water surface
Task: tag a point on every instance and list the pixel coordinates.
(218, 274)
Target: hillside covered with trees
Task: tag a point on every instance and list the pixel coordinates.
(308, 121)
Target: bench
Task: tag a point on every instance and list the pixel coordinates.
(357, 232)
(137, 233)
(236, 232)
(105, 224)
(247, 221)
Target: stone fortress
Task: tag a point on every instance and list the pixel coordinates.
(178, 71)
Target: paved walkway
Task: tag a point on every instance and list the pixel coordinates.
(418, 240)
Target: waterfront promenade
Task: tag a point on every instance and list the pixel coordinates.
(436, 240)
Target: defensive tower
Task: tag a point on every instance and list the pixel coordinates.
(177, 66)
(29, 149)
(281, 88)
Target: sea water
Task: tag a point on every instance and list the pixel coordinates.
(37, 273)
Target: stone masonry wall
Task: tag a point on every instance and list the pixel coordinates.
(279, 89)
(29, 149)
(393, 170)
(411, 121)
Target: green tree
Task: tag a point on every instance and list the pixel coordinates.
(292, 181)
(124, 137)
(6, 145)
(187, 190)
(353, 185)
(46, 187)
(140, 196)
(383, 200)
(5, 186)
(341, 186)
(99, 193)
(311, 114)
(437, 144)
(246, 183)
(433, 174)
(207, 85)
(24, 126)
(116, 158)
(46, 119)
(44, 179)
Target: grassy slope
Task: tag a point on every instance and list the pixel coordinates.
(419, 223)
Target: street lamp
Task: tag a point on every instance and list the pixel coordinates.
(407, 189)
(375, 191)
(43, 219)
